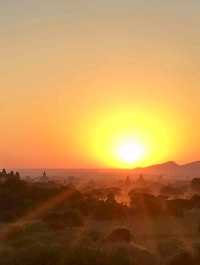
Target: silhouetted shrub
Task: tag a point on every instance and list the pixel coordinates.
(61, 220)
(182, 258)
(31, 255)
(120, 256)
(119, 235)
(83, 255)
(170, 248)
(195, 184)
(146, 204)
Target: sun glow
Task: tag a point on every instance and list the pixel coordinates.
(128, 139)
(130, 151)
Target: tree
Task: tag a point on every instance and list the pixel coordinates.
(146, 203)
(183, 258)
(120, 235)
(195, 184)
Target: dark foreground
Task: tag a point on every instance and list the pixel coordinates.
(51, 224)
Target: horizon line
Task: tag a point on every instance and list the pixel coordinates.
(96, 168)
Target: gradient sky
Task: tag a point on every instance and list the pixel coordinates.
(76, 75)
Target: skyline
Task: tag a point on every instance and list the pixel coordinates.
(111, 169)
(77, 78)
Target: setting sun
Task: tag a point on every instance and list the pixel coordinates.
(130, 152)
(123, 139)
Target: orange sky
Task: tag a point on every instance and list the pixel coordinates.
(78, 77)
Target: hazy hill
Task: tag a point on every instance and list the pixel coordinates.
(171, 169)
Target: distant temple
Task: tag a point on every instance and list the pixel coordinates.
(4, 176)
(160, 178)
(141, 180)
(127, 181)
(44, 178)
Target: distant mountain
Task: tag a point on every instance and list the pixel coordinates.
(171, 169)
(192, 165)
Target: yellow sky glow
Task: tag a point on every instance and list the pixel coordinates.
(95, 84)
(130, 139)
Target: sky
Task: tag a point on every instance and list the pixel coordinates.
(79, 79)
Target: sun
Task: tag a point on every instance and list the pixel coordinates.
(129, 151)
